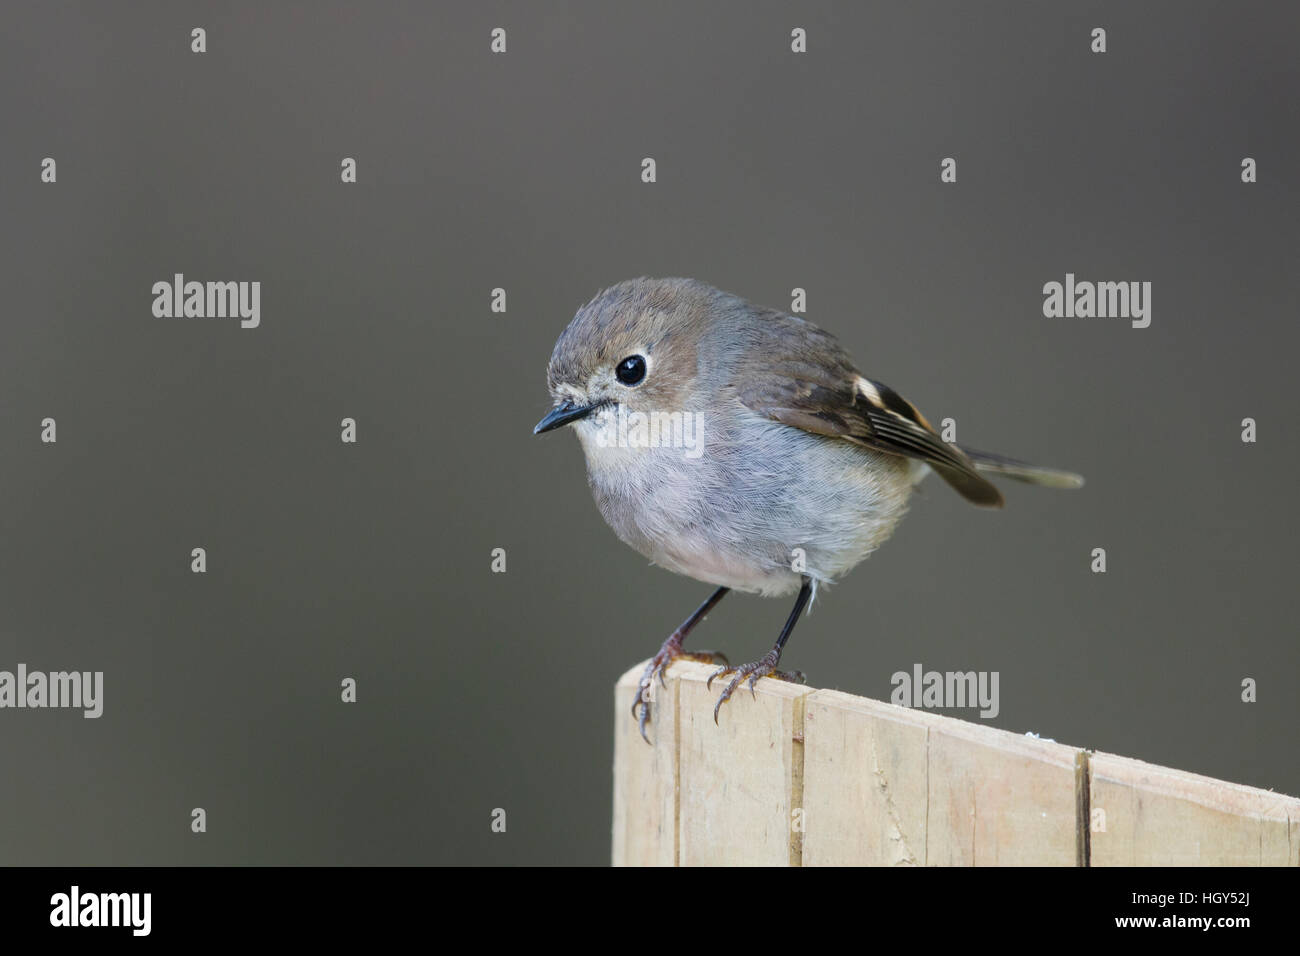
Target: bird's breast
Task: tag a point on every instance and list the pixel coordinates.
(760, 505)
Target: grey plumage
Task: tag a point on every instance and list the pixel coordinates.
(806, 465)
(802, 451)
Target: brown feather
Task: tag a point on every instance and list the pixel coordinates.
(803, 378)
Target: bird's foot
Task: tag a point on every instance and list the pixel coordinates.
(763, 668)
(671, 651)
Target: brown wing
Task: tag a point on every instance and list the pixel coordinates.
(820, 391)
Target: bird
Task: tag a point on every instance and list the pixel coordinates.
(741, 446)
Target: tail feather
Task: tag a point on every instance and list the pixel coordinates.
(1022, 471)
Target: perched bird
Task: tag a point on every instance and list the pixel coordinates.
(740, 446)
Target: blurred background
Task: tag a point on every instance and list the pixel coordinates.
(477, 690)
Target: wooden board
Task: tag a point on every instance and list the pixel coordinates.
(889, 786)
(741, 778)
(1154, 816)
(793, 776)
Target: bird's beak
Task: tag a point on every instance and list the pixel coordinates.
(563, 414)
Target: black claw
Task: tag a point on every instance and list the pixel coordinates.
(755, 672)
(726, 694)
(641, 722)
(671, 650)
(766, 666)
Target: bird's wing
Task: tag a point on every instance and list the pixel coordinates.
(817, 389)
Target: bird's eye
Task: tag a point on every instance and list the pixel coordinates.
(631, 370)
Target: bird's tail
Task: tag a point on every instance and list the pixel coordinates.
(1022, 470)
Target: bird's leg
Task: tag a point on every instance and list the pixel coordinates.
(767, 666)
(671, 651)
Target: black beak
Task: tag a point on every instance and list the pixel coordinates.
(563, 414)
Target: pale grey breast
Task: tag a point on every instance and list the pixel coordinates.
(735, 515)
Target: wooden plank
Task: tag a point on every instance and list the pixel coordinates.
(999, 798)
(886, 785)
(740, 779)
(794, 776)
(645, 776)
(864, 783)
(1155, 816)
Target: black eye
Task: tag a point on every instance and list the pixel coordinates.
(631, 370)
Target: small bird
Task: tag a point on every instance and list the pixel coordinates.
(740, 446)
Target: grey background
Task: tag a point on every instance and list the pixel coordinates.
(480, 690)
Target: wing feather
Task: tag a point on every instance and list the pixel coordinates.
(820, 391)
